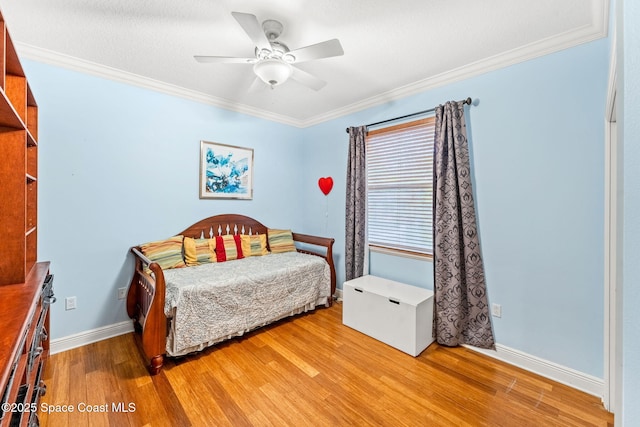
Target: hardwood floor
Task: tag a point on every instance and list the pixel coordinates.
(308, 370)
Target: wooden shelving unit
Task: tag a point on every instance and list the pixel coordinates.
(18, 169)
(25, 284)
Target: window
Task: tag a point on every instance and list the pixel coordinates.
(399, 187)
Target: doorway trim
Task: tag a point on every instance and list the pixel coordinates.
(612, 241)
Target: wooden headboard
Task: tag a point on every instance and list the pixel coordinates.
(220, 225)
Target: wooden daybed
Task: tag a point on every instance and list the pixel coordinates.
(148, 304)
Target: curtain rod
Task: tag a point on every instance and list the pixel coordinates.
(466, 101)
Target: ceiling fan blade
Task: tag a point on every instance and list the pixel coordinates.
(252, 27)
(307, 79)
(325, 49)
(256, 86)
(223, 59)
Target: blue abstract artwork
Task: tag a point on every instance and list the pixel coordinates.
(226, 171)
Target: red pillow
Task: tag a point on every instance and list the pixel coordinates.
(228, 248)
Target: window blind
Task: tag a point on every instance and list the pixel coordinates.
(399, 186)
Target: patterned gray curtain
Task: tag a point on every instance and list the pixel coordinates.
(461, 310)
(355, 217)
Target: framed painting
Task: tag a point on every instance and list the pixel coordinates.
(226, 171)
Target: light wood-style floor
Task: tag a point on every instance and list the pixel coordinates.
(306, 371)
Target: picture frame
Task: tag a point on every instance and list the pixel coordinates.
(226, 171)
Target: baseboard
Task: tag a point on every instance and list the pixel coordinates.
(87, 337)
(553, 371)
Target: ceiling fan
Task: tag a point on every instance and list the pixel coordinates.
(273, 61)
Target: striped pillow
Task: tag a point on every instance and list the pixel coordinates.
(167, 253)
(199, 251)
(228, 248)
(281, 241)
(254, 245)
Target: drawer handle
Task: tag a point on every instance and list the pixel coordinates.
(394, 301)
(48, 279)
(357, 290)
(37, 352)
(42, 388)
(34, 420)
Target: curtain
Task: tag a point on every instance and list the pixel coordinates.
(461, 310)
(355, 217)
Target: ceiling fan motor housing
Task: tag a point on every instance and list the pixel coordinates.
(272, 29)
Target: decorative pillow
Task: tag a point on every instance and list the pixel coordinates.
(228, 247)
(167, 253)
(281, 241)
(199, 251)
(254, 245)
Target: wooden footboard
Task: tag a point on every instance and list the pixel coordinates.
(146, 297)
(325, 243)
(145, 305)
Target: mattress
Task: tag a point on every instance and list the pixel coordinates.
(209, 303)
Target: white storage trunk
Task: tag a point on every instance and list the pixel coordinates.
(395, 313)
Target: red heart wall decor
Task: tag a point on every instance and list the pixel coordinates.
(325, 184)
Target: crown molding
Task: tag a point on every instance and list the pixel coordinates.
(585, 34)
(569, 39)
(80, 65)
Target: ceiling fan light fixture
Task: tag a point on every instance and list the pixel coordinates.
(273, 72)
(262, 54)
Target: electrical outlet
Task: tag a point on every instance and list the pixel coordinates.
(122, 293)
(70, 303)
(496, 310)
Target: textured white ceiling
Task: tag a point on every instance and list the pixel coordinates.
(392, 49)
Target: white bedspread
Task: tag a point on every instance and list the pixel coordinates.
(213, 302)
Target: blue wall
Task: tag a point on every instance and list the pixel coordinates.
(536, 140)
(119, 167)
(628, 61)
(110, 152)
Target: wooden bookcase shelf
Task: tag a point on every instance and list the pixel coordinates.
(25, 284)
(19, 169)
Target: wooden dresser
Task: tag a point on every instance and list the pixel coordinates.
(25, 285)
(24, 345)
